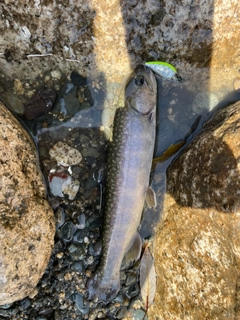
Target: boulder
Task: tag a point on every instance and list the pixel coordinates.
(197, 246)
(26, 220)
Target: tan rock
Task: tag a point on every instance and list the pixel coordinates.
(26, 219)
(197, 247)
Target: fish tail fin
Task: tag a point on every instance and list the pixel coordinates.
(104, 290)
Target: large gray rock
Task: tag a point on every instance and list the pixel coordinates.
(26, 220)
(197, 248)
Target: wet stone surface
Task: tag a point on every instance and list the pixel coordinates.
(197, 244)
(74, 146)
(26, 218)
(78, 206)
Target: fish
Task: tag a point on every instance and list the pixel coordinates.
(164, 69)
(127, 180)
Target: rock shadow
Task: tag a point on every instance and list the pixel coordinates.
(206, 174)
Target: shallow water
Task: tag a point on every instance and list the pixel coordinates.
(179, 32)
(78, 124)
(182, 109)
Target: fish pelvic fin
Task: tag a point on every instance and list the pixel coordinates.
(151, 200)
(103, 290)
(134, 250)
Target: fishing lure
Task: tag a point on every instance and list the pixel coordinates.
(164, 69)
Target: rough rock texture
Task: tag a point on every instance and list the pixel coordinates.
(26, 220)
(64, 154)
(197, 248)
(225, 52)
(207, 174)
(107, 38)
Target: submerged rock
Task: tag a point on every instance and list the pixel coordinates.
(26, 219)
(41, 102)
(204, 102)
(197, 249)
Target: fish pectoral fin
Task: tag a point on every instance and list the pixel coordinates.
(151, 199)
(134, 250)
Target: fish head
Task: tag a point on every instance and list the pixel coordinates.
(141, 91)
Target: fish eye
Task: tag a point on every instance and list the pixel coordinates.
(139, 80)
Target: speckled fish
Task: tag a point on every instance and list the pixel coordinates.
(127, 179)
(164, 69)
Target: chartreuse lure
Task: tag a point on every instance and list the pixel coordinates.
(164, 69)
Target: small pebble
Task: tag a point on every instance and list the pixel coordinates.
(112, 308)
(25, 303)
(70, 188)
(84, 309)
(57, 315)
(56, 74)
(132, 290)
(95, 249)
(62, 295)
(78, 266)
(64, 154)
(68, 276)
(5, 314)
(77, 252)
(60, 255)
(18, 87)
(77, 79)
(60, 217)
(121, 313)
(44, 311)
(25, 32)
(67, 231)
(86, 240)
(100, 315)
(138, 315)
(78, 236)
(56, 182)
(119, 298)
(91, 152)
(131, 278)
(88, 273)
(90, 260)
(81, 221)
